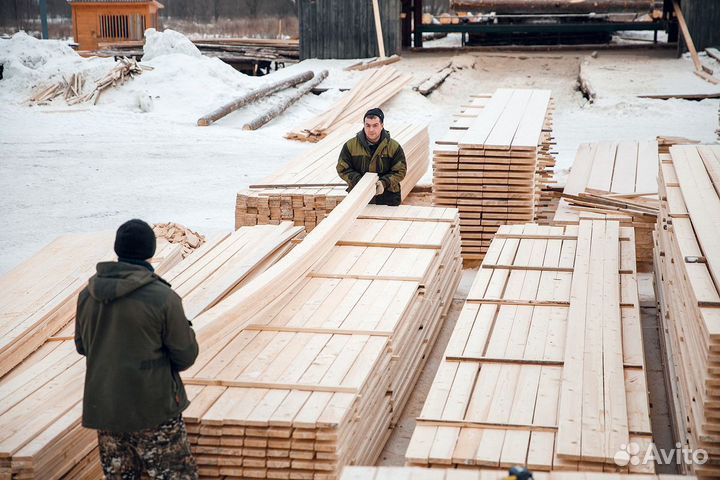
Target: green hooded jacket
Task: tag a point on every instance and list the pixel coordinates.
(132, 329)
(388, 162)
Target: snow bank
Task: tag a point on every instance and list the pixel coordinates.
(29, 63)
(166, 43)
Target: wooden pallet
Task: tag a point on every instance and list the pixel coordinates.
(687, 271)
(615, 181)
(307, 189)
(494, 163)
(545, 365)
(417, 473)
(374, 89)
(40, 432)
(317, 379)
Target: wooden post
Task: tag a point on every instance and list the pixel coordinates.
(417, 23)
(253, 96)
(261, 120)
(378, 29)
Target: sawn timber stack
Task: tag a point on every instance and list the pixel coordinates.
(615, 181)
(494, 164)
(545, 366)
(687, 278)
(315, 381)
(308, 188)
(41, 398)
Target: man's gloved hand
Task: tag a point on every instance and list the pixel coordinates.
(379, 188)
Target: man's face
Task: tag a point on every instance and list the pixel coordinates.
(373, 128)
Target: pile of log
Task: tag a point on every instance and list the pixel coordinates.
(176, 233)
(40, 432)
(687, 276)
(416, 473)
(374, 89)
(308, 188)
(318, 378)
(73, 91)
(545, 366)
(615, 181)
(494, 163)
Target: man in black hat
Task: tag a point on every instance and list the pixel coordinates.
(372, 150)
(132, 329)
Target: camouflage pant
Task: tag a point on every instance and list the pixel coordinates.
(161, 453)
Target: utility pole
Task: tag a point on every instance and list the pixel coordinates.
(43, 18)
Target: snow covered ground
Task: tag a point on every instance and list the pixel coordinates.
(85, 168)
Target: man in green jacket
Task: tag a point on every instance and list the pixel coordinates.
(132, 329)
(372, 150)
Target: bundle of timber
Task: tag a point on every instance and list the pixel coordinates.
(318, 377)
(375, 88)
(494, 164)
(39, 295)
(687, 272)
(664, 142)
(40, 432)
(417, 473)
(176, 233)
(615, 181)
(72, 88)
(545, 366)
(308, 187)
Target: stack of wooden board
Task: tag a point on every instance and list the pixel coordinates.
(417, 473)
(315, 380)
(375, 88)
(308, 188)
(615, 181)
(495, 169)
(38, 297)
(687, 272)
(545, 365)
(41, 398)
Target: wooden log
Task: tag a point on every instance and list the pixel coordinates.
(261, 120)
(433, 82)
(375, 63)
(548, 7)
(584, 84)
(254, 96)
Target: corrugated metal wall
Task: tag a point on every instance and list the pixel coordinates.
(346, 28)
(703, 19)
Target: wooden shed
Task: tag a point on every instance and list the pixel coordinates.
(101, 21)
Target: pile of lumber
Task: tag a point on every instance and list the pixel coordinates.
(308, 188)
(39, 295)
(494, 163)
(416, 473)
(545, 366)
(176, 233)
(318, 377)
(665, 142)
(687, 273)
(375, 88)
(40, 432)
(73, 91)
(226, 49)
(615, 181)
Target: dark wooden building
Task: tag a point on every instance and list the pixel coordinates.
(114, 21)
(346, 28)
(703, 20)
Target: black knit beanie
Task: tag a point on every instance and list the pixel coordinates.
(375, 112)
(135, 240)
